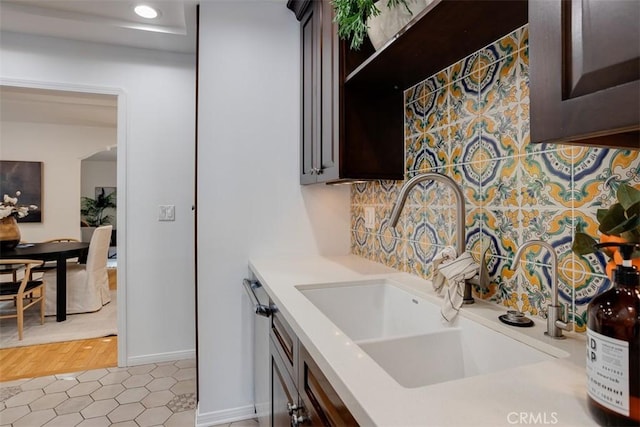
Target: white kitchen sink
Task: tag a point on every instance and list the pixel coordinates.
(407, 337)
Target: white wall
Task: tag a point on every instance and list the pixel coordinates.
(61, 149)
(250, 202)
(99, 173)
(157, 92)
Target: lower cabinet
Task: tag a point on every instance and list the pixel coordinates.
(320, 401)
(301, 394)
(285, 399)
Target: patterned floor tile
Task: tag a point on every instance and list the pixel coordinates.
(182, 402)
(99, 398)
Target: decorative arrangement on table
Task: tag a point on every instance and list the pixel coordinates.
(620, 223)
(10, 211)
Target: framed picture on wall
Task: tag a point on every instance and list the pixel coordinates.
(25, 177)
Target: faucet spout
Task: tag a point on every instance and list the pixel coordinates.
(555, 324)
(443, 179)
(554, 264)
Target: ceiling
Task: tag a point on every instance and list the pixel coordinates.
(20, 104)
(100, 21)
(29, 105)
(105, 21)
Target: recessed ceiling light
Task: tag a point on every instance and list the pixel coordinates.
(146, 11)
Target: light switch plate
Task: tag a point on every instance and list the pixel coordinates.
(369, 217)
(167, 213)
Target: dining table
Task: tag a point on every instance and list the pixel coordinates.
(54, 251)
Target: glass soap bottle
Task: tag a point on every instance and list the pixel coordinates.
(613, 346)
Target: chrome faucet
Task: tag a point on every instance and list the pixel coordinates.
(555, 324)
(460, 214)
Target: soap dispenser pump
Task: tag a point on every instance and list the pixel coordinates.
(613, 346)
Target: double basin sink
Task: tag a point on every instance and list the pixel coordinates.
(407, 337)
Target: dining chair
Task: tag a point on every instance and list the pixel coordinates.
(87, 284)
(22, 292)
(9, 269)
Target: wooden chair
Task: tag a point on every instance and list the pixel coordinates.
(22, 292)
(9, 269)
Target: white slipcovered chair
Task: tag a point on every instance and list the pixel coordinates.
(87, 284)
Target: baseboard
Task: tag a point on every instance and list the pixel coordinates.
(225, 416)
(161, 357)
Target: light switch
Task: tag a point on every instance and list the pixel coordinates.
(167, 213)
(369, 217)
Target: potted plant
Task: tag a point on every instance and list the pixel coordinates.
(353, 16)
(619, 223)
(93, 212)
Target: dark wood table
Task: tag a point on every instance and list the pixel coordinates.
(58, 252)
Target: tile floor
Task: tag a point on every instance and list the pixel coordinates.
(145, 395)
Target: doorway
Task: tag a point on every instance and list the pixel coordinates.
(99, 115)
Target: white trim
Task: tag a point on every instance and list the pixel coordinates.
(224, 416)
(121, 131)
(121, 232)
(161, 357)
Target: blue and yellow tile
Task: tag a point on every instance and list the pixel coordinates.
(545, 180)
(413, 145)
(357, 213)
(391, 251)
(523, 37)
(498, 85)
(388, 192)
(501, 189)
(477, 115)
(463, 98)
(413, 93)
(383, 215)
(503, 226)
(597, 173)
(438, 220)
(545, 224)
(413, 118)
(411, 217)
(459, 136)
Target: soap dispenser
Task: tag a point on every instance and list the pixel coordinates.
(613, 346)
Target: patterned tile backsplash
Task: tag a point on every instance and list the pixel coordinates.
(470, 121)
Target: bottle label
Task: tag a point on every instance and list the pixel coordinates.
(608, 371)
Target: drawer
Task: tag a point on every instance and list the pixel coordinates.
(286, 342)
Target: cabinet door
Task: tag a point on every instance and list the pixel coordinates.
(585, 71)
(329, 144)
(320, 94)
(310, 105)
(283, 391)
(323, 405)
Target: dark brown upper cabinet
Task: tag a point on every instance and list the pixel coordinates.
(585, 72)
(320, 94)
(352, 101)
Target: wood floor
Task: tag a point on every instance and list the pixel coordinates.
(57, 358)
(62, 357)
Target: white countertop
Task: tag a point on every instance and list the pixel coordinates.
(545, 393)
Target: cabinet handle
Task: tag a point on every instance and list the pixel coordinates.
(292, 407)
(319, 171)
(298, 420)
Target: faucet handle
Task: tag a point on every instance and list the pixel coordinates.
(555, 324)
(565, 326)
